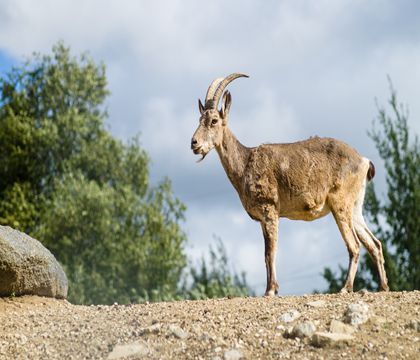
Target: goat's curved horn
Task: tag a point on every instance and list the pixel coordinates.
(210, 92)
(222, 85)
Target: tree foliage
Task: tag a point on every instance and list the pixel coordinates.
(395, 216)
(66, 180)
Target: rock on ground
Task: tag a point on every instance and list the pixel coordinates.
(176, 331)
(357, 313)
(28, 268)
(316, 304)
(121, 351)
(415, 325)
(341, 328)
(325, 339)
(290, 316)
(233, 355)
(304, 329)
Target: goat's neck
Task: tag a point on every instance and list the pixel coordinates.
(234, 157)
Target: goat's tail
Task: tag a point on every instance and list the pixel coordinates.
(371, 171)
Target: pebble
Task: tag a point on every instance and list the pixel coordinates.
(205, 337)
(377, 320)
(152, 329)
(357, 313)
(264, 343)
(316, 304)
(341, 328)
(233, 354)
(324, 339)
(363, 291)
(176, 331)
(121, 351)
(414, 324)
(290, 316)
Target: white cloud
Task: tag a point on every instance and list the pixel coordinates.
(269, 119)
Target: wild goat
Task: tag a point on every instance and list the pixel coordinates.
(300, 181)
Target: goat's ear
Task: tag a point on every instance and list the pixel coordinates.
(200, 107)
(226, 102)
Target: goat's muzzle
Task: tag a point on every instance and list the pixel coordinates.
(197, 149)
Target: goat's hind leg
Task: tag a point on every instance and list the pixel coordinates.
(374, 247)
(369, 241)
(344, 223)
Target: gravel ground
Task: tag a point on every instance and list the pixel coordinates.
(250, 328)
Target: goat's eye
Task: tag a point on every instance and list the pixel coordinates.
(214, 122)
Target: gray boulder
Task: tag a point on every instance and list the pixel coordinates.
(28, 268)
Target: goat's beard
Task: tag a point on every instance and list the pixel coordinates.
(203, 155)
(203, 151)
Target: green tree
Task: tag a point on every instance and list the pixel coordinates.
(50, 115)
(395, 218)
(214, 279)
(65, 180)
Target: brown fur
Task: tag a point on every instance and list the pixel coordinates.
(304, 180)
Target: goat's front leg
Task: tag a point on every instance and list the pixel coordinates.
(270, 230)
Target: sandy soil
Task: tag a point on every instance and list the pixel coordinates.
(250, 328)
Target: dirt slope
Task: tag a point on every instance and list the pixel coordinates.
(251, 328)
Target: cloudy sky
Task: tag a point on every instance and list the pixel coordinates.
(316, 68)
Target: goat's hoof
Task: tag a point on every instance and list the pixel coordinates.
(384, 288)
(270, 293)
(344, 290)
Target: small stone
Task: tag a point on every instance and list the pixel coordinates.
(121, 351)
(176, 331)
(377, 320)
(316, 304)
(264, 343)
(304, 329)
(414, 324)
(357, 313)
(233, 354)
(220, 341)
(205, 337)
(341, 328)
(152, 329)
(290, 316)
(324, 339)
(363, 291)
(22, 339)
(288, 333)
